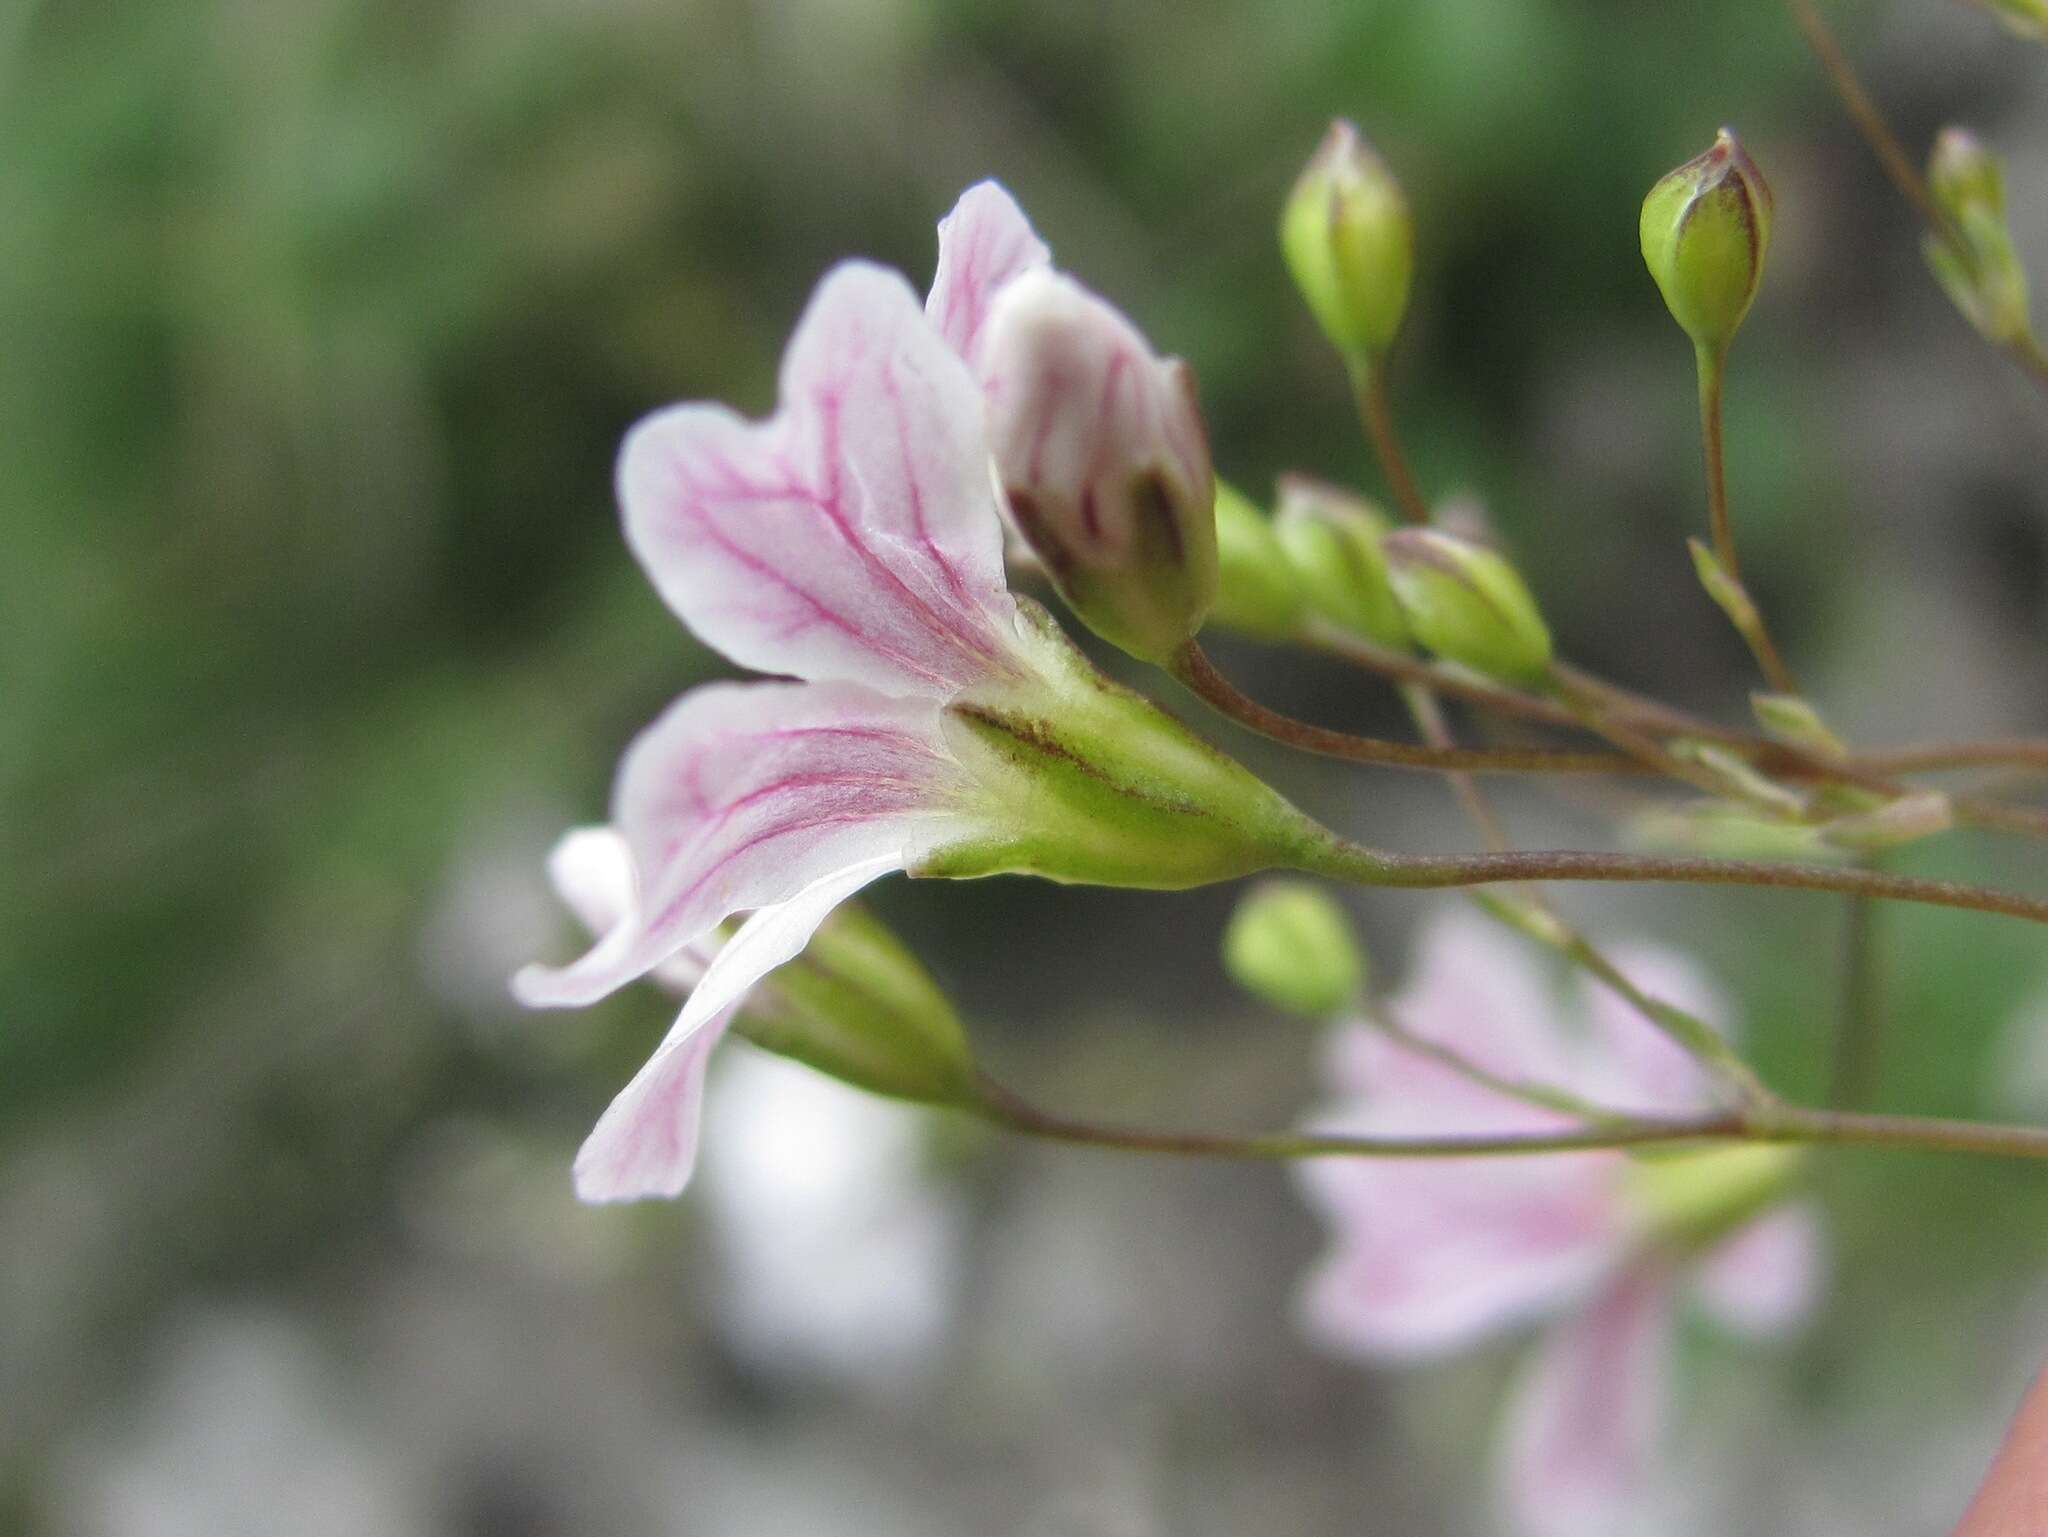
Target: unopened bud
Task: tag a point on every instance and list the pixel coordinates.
(1349, 241)
(1982, 275)
(1104, 462)
(1706, 228)
(2023, 18)
(1258, 591)
(1738, 778)
(1467, 604)
(1291, 945)
(1333, 539)
(1905, 820)
(1795, 722)
(1693, 1200)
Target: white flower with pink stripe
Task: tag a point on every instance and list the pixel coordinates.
(1429, 1257)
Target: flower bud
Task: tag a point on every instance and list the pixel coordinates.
(1290, 944)
(1333, 539)
(1467, 604)
(1982, 275)
(1795, 722)
(1258, 592)
(857, 1006)
(1693, 1200)
(1349, 241)
(2022, 18)
(1907, 819)
(1104, 462)
(1706, 228)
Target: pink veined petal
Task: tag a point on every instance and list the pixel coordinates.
(1629, 1063)
(592, 870)
(1763, 1280)
(743, 794)
(1585, 1420)
(1431, 1256)
(854, 534)
(983, 243)
(645, 1144)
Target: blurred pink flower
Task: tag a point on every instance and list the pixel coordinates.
(1432, 1256)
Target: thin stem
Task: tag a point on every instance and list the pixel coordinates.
(1859, 1025)
(1191, 665)
(1997, 752)
(1544, 1096)
(1778, 1123)
(1743, 612)
(1369, 387)
(1343, 860)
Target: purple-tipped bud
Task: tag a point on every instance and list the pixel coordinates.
(1104, 462)
(1706, 228)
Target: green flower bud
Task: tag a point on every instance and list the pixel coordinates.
(1726, 830)
(1290, 944)
(1467, 604)
(2023, 18)
(857, 1006)
(1693, 1200)
(1257, 592)
(1333, 539)
(1104, 463)
(1099, 786)
(1905, 820)
(1982, 276)
(1796, 723)
(1706, 228)
(1349, 241)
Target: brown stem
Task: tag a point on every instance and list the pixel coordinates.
(1920, 758)
(1369, 386)
(1193, 668)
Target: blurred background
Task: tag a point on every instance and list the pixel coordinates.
(319, 323)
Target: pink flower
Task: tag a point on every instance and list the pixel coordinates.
(851, 541)
(1429, 1257)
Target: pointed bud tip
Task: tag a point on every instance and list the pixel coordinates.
(1348, 241)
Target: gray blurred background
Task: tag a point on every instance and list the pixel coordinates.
(319, 323)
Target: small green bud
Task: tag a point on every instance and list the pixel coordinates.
(1464, 602)
(857, 1006)
(1104, 463)
(1333, 539)
(1982, 276)
(1905, 820)
(1349, 241)
(1796, 723)
(1290, 945)
(1693, 1200)
(1741, 780)
(1257, 591)
(1725, 830)
(1729, 595)
(2023, 18)
(1706, 229)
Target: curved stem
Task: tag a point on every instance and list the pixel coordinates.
(1738, 605)
(1777, 1123)
(1191, 665)
(1341, 859)
(1369, 388)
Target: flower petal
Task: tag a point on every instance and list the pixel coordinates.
(645, 1144)
(1762, 1280)
(983, 243)
(854, 534)
(1433, 1255)
(743, 794)
(592, 871)
(1588, 1414)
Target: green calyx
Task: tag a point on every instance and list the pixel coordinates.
(1257, 591)
(857, 1006)
(1335, 541)
(1290, 944)
(1090, 782)
(1978, 268)
(1690, 1201)
(1464, 602)
(1349, 242)
(1706, 229)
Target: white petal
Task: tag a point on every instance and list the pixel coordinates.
(592, 870)
(1585, 1420)
(1763, 1280)
(983, 243)
(743, 794)
(645, 1144)
(854, 535)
